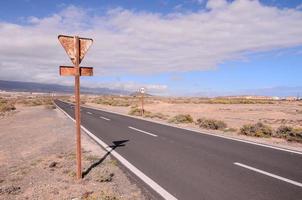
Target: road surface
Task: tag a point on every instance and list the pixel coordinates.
(190, 165)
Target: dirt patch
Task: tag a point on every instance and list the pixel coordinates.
(38, 161)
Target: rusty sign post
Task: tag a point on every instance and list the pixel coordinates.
(76, 49)
(142, 92)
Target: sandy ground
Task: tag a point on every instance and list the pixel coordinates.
(37, 161)
(235, 115)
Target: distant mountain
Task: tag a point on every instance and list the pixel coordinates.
(47, 88)
(136, 94)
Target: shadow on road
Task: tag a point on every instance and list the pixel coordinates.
(115, 144)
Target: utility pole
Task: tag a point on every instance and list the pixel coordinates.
(76, 49)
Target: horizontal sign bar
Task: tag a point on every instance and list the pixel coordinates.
(71, 71)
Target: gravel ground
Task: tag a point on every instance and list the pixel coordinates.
(37, 161)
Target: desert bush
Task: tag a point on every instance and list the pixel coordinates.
(6, 105)
(289, 133)
(136, 111)
(112, 102)
(258, 130)
(181, 118)
(156, 115)
(211, 124)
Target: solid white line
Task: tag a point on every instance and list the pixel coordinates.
(156, 187)
(142, 131)
(104, 118)
(203, 132)
(269, 174)
(89, 113)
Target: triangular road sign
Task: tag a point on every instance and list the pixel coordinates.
(68, 44)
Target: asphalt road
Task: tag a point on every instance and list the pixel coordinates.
(191, 165)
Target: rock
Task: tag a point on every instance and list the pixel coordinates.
(53, 164)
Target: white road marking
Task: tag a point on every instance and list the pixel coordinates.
(105, 118)
(89, 113)
(269, 174)
(142, 131)
(156, 187)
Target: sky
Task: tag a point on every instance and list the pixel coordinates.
(170, 47)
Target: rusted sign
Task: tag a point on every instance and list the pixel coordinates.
(71, 71)
(69, 45)
(76, 48)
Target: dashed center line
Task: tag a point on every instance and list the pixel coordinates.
(142, 131)
(269, 174)
(89, 113)
(105, 118)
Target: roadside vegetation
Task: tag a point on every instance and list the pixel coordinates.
(259, 129)
(211, 124)
(112, 101)
(181, 118)
(135, 111)
(289, 133)
(6, 105)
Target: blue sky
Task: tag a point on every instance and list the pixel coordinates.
(179, 67)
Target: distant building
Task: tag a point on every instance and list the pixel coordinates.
(252, 97)
(291, 98)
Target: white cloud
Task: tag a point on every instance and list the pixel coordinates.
(214, 4)
(130, 86)
(142, 42)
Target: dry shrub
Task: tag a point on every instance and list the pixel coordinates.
(135, 111)
(211, 124)
(258, 130)
(289, 133)
(156, 115)
(113, 101)
(6, 105)
(181, 118)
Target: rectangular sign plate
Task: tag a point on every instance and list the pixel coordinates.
(70, 71)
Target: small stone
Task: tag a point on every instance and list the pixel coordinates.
(53, 164)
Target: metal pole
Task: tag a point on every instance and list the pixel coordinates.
(77, 106)
(142, 104)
